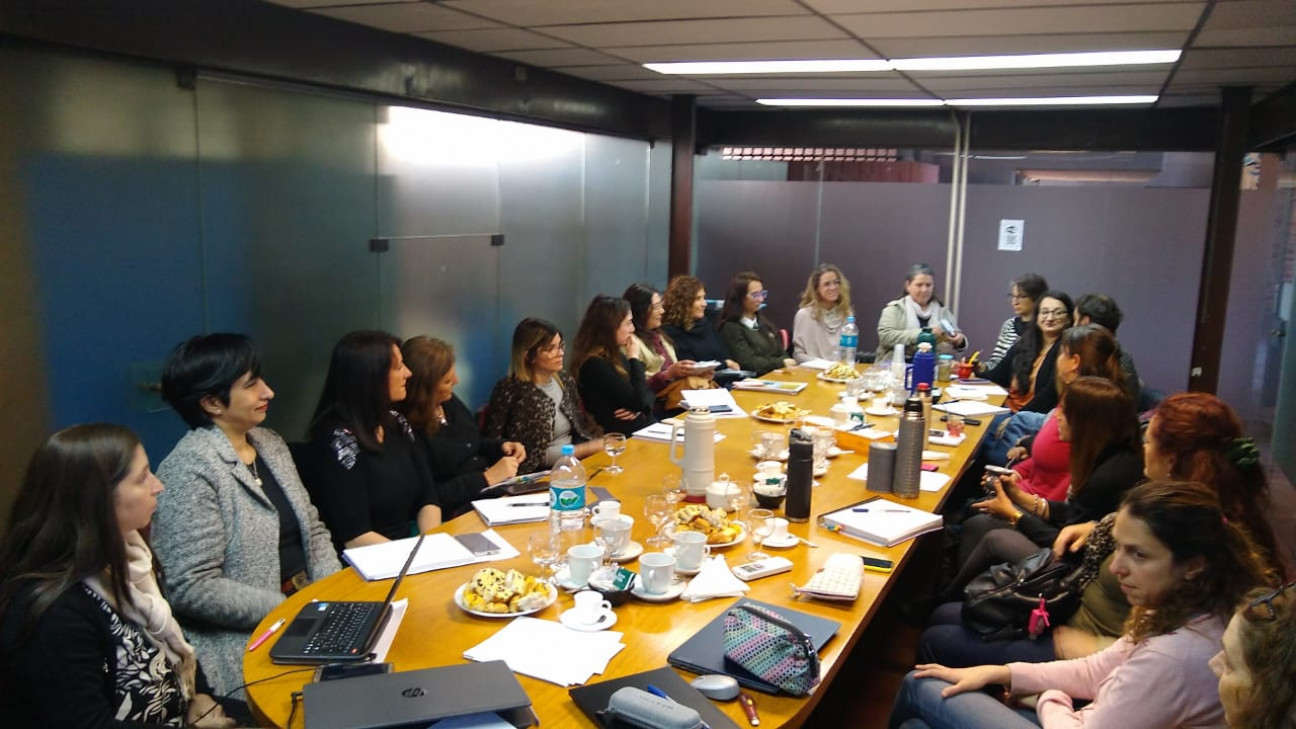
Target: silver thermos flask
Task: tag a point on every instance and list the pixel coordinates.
(800, 477)
(910, 438)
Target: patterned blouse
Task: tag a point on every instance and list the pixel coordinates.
(521, 411)
(148, 690)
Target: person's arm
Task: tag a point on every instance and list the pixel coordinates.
(604, 391)
(340, 488)
(802, 325)
(429, 512)
(743, 347)
(1078, 678)
(503, 421)
(892, 330)
(1007, 335)
(1001, 374)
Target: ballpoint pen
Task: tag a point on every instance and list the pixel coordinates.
(266, 635)
(529, 503)
(865, 510)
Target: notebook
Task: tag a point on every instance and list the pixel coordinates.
(336, 632)
(417, 698)
(513, 509)
(594, 698)
(704, 652)
(527, 483)
(881, 521)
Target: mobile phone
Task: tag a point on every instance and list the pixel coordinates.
(720, 409)
(877, 564)
(966, 421)
(999, 470)
(334, 671)
(478, 544)
(933, 432)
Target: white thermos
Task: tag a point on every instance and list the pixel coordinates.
(698, 463)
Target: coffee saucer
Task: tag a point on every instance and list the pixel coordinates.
(787, 543)
(632, 550)
(680, 570)
(672, 593)
(563, 578)
(881, 412)
(606, 620)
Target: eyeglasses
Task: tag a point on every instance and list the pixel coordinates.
(1253, 610)
(759, 295)
(1052, 313)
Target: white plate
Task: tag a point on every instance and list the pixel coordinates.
(758, 454)
(788, 543)
(458, 599)
(824, 376)
(742, 537)
(672, 593)
(609, 619)
(632, 550)
(780, 421)
(881, 413)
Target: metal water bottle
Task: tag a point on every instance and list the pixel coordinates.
(800, 476)
(909, 447)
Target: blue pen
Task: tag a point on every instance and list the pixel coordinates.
(658, 692)
(865, 510)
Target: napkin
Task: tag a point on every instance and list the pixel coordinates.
(714, 580)
(549, 651)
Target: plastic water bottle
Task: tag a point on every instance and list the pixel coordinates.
(567, 492)
(849, 342)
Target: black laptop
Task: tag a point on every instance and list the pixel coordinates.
(336, 632)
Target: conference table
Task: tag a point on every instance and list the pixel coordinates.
(436, 632)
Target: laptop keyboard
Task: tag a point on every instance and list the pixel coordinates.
(340, 630)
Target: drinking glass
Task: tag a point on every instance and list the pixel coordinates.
(544, 549)
(614, 444)
(612, 536)
(657, 507)
(759, 516)
(739, 500)
(673, 489)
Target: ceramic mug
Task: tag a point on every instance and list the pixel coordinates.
(590, 607)
(778, 529)
(690, 549)
(656, 572)
(606, 509)
(581, 561)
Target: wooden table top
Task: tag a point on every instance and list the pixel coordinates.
(435, 632)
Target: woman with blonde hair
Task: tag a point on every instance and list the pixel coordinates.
(824, 308)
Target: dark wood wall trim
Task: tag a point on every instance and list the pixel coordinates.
(1273, 121)
(683, 134)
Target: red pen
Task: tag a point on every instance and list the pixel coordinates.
(266, 635)
(749, 708)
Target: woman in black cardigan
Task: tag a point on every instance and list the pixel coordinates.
(1029, 368)
(463, 462)
(613, 386)
(752, 339)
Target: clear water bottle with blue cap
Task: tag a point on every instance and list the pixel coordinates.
(848, 343)
(567, 492)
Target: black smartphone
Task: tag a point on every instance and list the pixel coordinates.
(720, 409)
(877, 564)
(478, 544)
(966, 421)
(334, 671)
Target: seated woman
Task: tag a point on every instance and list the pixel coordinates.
(1183, 567)
(824, 308)
(86, 636)
(235, 527)
(1257, 666)
(1024, 295)
(684, 321)
(612, 385)
(1027, 370)
(462, 461)
(667, 374)
(538, 404)
(751, 337)
(363, 466)
(1097, 417)
(904, 319)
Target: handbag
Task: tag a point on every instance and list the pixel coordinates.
(776, 651)
(673, 394)
(1020, 599)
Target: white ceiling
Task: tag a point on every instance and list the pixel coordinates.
(1225, 43)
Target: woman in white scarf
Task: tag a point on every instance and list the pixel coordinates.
(903, 320)
(86, 636)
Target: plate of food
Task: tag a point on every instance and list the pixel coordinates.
(492, 593)
(712, 522)
(782, 412)
(839, 373)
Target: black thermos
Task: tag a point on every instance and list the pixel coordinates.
(800, 476)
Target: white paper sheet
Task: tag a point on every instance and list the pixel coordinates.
(661, 433)
(513, 509)
(973, 392)
(928, 481)
(388, 634)
(711, 398)
(969, 408)
(549, 651)
(439, 551)
(817, 364)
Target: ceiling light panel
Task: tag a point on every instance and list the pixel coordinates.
(696, 31)
(1037, 60)
(848, 102)
(983, 45)
(1121, 100)
(783, 86)
(1043, 80)
(883, 6)
(1024, 21)
(731, 68)
(566, 12)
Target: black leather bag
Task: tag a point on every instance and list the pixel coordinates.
(998, 604)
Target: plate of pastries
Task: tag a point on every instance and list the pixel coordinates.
(493, 593)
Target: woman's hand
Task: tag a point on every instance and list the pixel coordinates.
(788, 362)
(504, 469)
(964, 679)
(682, 368)
(624, 414)
(1012, 487)
(515, 449)
(205, 712)
(1017, 453)
(632, 348)
(1000, 505)
(1072, 538)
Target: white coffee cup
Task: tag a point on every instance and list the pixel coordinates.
(840, 413)
(690, 549)
(769, 468)
(778, 529)
(581, 561)
(882, 403)
(615, 532)
(590, 607)
(656, 572)
(606, 509)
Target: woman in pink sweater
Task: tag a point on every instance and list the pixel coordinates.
(1184, 568)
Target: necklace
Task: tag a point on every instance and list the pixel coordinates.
(256, 476)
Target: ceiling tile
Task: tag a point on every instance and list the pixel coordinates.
(1238, 58)
(407, 17)
(561, 12)
(781, 50)
(1237, 76)
(490, 40)
(560, 57)
(617, 72)
(1005, 45)
(813, 86)
(1251, 14)
(697, 31)
(884, 6)
(1044, 80)
(1024, 21)
(1245, 38)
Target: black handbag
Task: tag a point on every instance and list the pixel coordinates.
(1020, 599)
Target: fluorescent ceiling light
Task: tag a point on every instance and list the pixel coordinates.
(964, 63)
(851, 102)
(1037, 60)
(728, 68)
(1055, 101)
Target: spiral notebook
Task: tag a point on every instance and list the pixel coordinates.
(881, 521)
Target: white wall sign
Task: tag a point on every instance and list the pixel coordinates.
(1010, 234)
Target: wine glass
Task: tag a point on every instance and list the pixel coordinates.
(737, 503)
(657, 507)
(614, 444)
(543, 548)
(761, 517)
(673, 489)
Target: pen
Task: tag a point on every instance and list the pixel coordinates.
(266, 635)
(529, 503)
(749, 708)
(658, 692)
(859, 510)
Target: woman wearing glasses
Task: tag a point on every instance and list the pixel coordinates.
(904, 319)
(1028, 370)
(1024, 295)
(537, 403)
(667, 374)
(1184, 567)
(824, 308)
(752, 338)
(1257, 667)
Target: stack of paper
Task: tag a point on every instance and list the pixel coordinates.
(928, 481)
(969, 408)
(882, 521)
(661, 432)
(715, 579)
(513, 509)
(549, 651)
(718, 400)
(818, 364)
(439, 551)
(783, 388)
(973, 392)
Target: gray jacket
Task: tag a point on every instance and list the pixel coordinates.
(893, 329)
(217, 537)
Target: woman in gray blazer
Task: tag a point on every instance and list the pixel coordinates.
(234, 530)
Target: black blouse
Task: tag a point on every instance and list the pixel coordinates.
(702, 343)
(459, 456)
(292, 556)
(604, 391)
